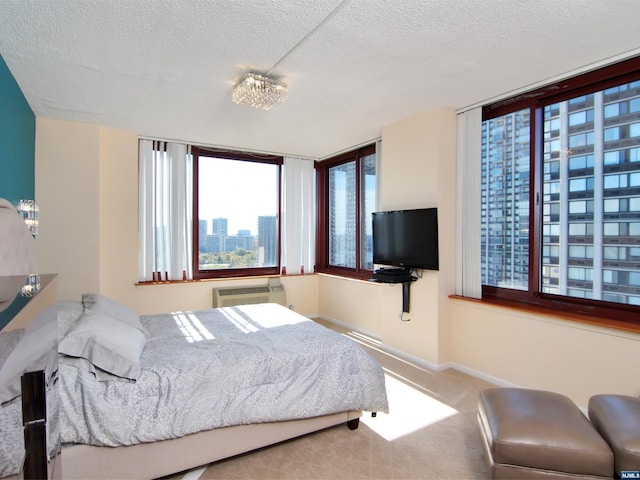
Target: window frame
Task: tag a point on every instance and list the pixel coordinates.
(199, 274)
(609, 313)
(322, 216)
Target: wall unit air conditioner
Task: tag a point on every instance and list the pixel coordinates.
(231, 296)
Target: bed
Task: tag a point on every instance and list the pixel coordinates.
(11, 443)
(32, 349)
(189, 388)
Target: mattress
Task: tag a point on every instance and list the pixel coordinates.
(207, 369)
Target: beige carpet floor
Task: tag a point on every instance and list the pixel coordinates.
(430, 432)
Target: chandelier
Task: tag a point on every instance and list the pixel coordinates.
(259, 91)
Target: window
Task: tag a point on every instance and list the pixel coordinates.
(237, 206)
(346, 201)
(207, 213)
(561, 196)
(505, 198)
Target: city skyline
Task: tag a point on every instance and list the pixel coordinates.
(264, 245)
(237, 191)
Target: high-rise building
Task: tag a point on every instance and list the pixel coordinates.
(202, 227)
(219, 226)
(343, 222)
(203, 242)
(236, 242)
(216, 243)
(590, 203)
(505, 201)
(268, 240)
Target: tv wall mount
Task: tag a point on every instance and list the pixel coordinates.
(397, 275)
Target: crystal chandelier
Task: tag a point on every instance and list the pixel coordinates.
(31, 286)
(259, 91)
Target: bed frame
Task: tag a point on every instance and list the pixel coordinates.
(158, 459)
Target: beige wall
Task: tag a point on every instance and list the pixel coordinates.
(86, 184)
(117, 212)
(417, 170)
(67, 189)
(544, 352)
(301, 291)
(355, 303)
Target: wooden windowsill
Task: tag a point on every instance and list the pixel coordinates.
(580, 318)
(221, 279)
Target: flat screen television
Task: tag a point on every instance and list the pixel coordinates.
(406, 238)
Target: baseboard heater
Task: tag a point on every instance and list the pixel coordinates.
(232, 296)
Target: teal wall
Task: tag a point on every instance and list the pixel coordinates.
(17, 140)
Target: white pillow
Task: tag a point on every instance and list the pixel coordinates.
(69, 312)
(101, 305)
(35, 351)
(107, 343)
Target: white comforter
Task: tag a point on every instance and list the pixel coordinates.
(221, 367)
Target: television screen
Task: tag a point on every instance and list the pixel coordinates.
(406, 238)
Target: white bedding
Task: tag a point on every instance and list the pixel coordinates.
(220, 367)
(11, 439)
(12, 451)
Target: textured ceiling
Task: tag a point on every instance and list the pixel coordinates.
(166, 68)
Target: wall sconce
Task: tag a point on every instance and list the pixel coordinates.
(30, 213)
(31, 286)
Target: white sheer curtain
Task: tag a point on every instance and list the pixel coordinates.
(469, 170)
(298, 238)
(165, 211)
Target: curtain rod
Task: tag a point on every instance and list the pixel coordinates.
(572, 73)
(225, 147)
(264, 152)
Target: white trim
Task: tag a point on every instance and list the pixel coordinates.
(348, 327)
(548, 81)
(495, 380)
(421, 362)
(385, 348)
(478, 374)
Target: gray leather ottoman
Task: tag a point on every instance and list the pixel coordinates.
(617, 419)
(539, 434)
